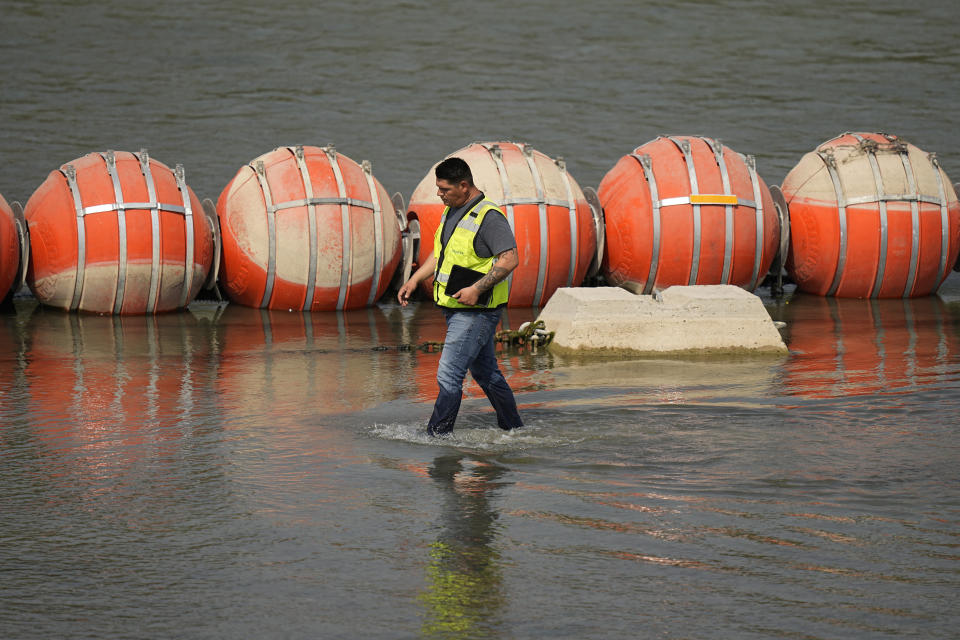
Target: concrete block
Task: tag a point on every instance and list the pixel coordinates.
(696, 319)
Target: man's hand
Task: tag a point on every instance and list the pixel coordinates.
(403, 295)
(502, 266)
(410, 286)
(467, 295)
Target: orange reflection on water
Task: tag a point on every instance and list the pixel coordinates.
(844, 347)
(134, 375)
(276, 363)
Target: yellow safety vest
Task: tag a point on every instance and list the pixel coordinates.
(459, 250)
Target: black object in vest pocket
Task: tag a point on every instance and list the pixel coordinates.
(461, 277)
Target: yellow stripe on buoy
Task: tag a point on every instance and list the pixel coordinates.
(710, 198)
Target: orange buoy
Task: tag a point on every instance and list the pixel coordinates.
(117, 232)
(685, 210)
(307, 228)
(555, 227)
(871, 216)
(9, 248)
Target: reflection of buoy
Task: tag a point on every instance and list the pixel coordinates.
(96, 377)
(843, 347)
(324, 362)
(555, 227)
(9, 248)
(871, 216)
(117, 233)
(684, 210)
(307, 228)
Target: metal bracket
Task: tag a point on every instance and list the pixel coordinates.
(367, 169)
(398, 209)
(599, 225)
(210, 210)
(23, 237)
(783, 215)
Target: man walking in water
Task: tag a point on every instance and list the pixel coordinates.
(474, 251)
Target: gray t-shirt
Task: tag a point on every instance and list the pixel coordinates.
(494, 237)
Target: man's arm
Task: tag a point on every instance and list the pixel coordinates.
(424, 272)
(502, 266)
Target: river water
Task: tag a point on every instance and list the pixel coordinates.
(225, 472)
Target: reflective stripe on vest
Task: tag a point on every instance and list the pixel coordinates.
(459, 250)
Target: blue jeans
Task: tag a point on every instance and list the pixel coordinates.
(469, 346)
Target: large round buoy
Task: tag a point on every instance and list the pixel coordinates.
(307, 228)
(555, 227)
(871, 216)
(685, 210)
(117, 232)
(9, 248)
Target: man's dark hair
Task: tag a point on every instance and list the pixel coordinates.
(453, 170)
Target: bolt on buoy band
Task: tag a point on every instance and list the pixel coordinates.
(527, 153)
(572, 208)
(121, 207)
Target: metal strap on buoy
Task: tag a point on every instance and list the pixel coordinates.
(261, 173)
(347, 262)
(70, 172)
(871, 150)
(944, 218)
(144, 159)
(831, 163)
(377, 231)
(717, 147)
(297, 152)
(110, 159)
(914, 224)
(574, 230)
(497, 154)
(758, 228)
(684, 146)
(527, 153)
(155, 207)
(646, 163)
(180, 177)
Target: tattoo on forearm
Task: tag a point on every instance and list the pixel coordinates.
(495, 275)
